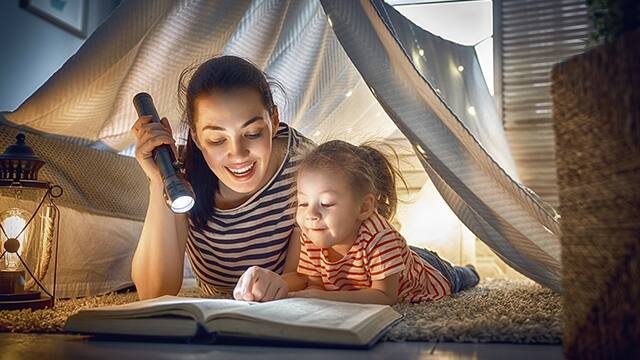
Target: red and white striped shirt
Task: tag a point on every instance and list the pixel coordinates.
(378, 252)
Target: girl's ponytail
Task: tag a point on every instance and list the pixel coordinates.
(384, 175)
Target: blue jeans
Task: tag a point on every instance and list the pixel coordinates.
(460, 277)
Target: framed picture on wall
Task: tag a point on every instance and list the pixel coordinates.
(70, 15)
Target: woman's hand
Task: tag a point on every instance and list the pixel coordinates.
(150, 135)
(258, 284)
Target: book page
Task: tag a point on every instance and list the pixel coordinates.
(213, 307)
(196, 308)
(163, 316)
(310, 313)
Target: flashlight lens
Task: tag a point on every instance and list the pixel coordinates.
(182, 204)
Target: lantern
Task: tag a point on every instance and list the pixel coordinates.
(29, 222)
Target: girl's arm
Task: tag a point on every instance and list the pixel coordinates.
(383, 291)
(294, 280)
(314, 283)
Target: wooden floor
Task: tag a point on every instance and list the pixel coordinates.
(34, 346)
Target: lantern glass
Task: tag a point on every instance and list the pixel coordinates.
(14, 222)
(28, 215)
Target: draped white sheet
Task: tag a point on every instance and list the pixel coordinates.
(145, 45)
(500, 211)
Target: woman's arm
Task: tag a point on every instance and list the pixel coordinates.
(157, 266)
(383, 291)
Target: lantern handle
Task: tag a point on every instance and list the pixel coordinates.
(55, 191)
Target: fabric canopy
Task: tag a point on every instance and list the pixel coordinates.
(429, 103)
(349, 70)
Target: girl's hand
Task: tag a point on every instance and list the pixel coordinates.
(150, 135)
(258, 284)
(308, 293)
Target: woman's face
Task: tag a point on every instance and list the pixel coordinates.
(234, 131)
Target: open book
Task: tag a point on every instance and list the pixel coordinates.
(288, 321)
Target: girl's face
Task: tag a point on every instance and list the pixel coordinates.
(234, 131)
(329, 214)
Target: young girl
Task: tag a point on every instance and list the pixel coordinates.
(241, 162)
(349, 251)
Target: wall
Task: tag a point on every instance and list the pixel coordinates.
(33, 48)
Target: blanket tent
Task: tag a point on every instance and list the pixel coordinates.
(340, 64)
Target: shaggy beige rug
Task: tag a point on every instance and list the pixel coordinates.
(513, 311)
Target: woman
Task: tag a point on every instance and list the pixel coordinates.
(241, 162)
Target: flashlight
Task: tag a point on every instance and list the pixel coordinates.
(177, 191)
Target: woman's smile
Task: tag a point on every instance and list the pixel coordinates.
(242, 172)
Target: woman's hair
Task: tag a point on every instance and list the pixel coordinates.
(367, 170)
(219, 74)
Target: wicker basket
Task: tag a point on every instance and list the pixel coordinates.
(596, 109)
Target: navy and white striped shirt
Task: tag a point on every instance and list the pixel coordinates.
(254, 233)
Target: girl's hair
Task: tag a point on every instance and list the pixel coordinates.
(219, 74)
(367, 169)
